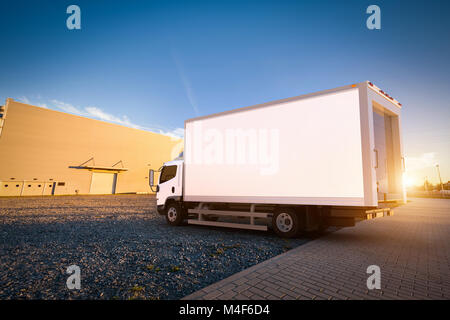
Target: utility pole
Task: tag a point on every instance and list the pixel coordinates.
(440, 180)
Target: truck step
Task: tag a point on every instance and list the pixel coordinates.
(227, 224)
(229, 213)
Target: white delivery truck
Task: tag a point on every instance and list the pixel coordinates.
(328, 158)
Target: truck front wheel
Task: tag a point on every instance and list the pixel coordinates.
(285, 222)
(174, 214)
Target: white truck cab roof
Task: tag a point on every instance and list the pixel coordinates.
(174, 162)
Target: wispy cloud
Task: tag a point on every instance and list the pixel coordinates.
(24, 100)
(27, 101)
(98, 113)
(186, 83)
(67, 107)
(175, 133)
(425, 160)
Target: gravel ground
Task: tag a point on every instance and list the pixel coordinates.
(124, 248)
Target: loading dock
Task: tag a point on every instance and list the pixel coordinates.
(103, 183)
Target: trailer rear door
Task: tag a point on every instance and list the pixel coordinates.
(388, 156)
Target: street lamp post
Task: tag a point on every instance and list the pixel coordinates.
(440, 179)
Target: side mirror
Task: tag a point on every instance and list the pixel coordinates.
(151, 177)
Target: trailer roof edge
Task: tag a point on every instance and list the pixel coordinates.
(270, 103)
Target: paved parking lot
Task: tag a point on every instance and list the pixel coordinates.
(412, 249)
(123, 248)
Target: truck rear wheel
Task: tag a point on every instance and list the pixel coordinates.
(285, 222)
(174, 214)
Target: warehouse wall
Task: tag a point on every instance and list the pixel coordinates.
(39, 146)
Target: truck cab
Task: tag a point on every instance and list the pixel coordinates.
(170, 184)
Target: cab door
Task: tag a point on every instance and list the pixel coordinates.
(169, 183)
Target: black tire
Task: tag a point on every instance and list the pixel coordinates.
(285, 222)
(175, 215)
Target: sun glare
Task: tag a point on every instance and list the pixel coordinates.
(409, 181)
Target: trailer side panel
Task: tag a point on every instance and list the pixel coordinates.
(303, 151)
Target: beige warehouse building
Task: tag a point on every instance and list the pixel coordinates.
(47, 152)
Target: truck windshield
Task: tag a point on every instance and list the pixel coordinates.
(168, 173)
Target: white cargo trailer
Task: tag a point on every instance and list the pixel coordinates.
(308, 162)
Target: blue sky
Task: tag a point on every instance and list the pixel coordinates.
(153, 64)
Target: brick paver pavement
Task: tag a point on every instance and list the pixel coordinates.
(412, 249)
